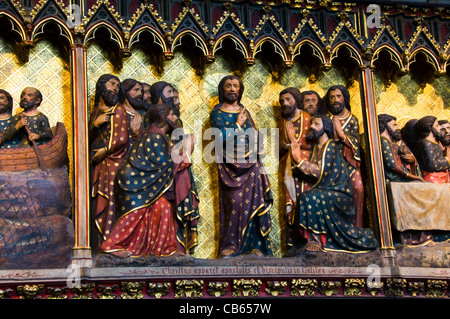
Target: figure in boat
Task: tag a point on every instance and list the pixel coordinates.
(30, 124)
(35, 208)
(6, 106)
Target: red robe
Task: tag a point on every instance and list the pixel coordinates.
(154, 201)
(113, 136)
(351, 150)
(144, 232)
(295, 182)
(301, 125)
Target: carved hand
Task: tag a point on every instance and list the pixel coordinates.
(135, 123)
(21, 123)
(296, 152)
(103, 118)
(242, 117)
(414, 177)
(338, 132)
(290, 132)
(33, 136)
(99, 155)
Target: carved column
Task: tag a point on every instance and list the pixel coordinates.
(374, 158)
(82, 249)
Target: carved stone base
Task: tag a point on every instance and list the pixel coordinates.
(435, 257)
(35, 223)
(304, 259)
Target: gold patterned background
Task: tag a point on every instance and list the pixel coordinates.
(406, 100)
(45, 71)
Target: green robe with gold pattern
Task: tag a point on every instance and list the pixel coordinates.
(394, 169)
(12, 143)
(327, 209)
(430, 156)
(37, 124)
(434, 165)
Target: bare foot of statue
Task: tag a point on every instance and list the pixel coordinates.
(314, 248)
(227, 252)
(431, 243)
(121, 253)
(256, 252)
(178, 253)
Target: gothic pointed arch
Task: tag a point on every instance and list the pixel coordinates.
(102, 16)
(51, 12)
(345, 35)
(229, 27)
(147, 19)
(188, 23)
(387, 39)
(268, 30)
(15, 23)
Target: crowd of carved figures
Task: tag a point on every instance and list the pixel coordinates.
(143, 196)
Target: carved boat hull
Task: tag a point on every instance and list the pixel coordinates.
(54, 154)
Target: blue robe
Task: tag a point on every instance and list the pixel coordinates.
(11, 143)
(245, 196)
(37, 123)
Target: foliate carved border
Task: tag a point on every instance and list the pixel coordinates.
(233, 288)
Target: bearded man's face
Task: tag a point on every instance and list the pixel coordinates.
(4, 104)
(394, 131)
(336, 101)
(231, 91)
(110, 92)
(445, 134)
(288, 105)
(134, 96)
(315, 131)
